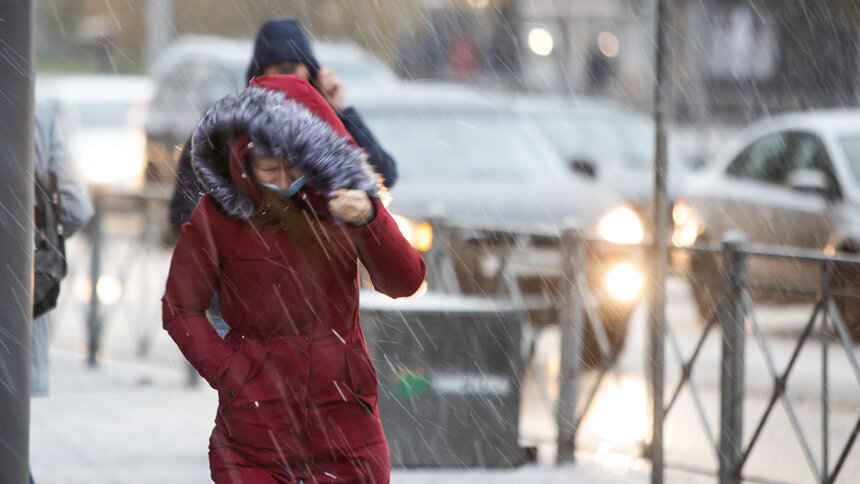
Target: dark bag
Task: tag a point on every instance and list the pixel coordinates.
(49, 259)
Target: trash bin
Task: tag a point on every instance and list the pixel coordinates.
(449, 373)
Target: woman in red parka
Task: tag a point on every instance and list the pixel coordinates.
(290, 209)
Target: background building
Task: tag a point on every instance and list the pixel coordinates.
(734, 59)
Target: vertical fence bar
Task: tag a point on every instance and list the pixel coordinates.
(440, 272)
(94, 314)
(825, 397)
(16, 237)
(732, 315)
(659, 252)
(573, 253)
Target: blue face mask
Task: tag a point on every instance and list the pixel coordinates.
(291, 190)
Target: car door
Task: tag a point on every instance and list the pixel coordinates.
(759, 201)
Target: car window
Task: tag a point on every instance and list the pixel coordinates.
(185, 95)
(599, 138)
(764, 160)
(462, 146)
(851, 149)
(809, 153)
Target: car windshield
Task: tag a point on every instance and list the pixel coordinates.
(355, 73)
(851, 148)
(599, 138)
(462, 146)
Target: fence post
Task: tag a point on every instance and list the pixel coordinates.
(732, 315)
(94, 317)
(440, 271)
(573, 259)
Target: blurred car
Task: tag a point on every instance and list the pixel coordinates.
(197, 70)
(102, 118)
(791, 180)
(470, 160)
(602, 139)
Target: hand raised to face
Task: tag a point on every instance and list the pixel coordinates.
(331, 88)
(350, 206)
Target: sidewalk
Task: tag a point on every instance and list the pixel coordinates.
(130, 422)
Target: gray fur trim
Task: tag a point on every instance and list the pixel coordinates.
(278, 127)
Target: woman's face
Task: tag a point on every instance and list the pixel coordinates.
(274, 171)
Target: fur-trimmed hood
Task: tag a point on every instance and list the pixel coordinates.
(284, 117)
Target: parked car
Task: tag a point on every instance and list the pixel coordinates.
(470, 160)
(197, 70)
(791, 180)
(102, 118)
(602, 139)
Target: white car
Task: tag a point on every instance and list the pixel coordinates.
(464, 156)
(790, 180)
(102, 118)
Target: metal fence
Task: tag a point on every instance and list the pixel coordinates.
(128, 256)
(735, 313)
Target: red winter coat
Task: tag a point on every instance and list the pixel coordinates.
(297, 391)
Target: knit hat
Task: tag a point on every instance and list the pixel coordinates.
(282, 40)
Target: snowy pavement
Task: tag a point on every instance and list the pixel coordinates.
(130, 422)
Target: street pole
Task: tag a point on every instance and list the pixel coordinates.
(659, 250)
(16, 236)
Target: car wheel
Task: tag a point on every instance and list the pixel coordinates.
(705, 281)
(847, 280)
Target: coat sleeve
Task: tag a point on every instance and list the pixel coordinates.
(77, 208)
(191, 282)
(186, 191)
(382, 162)
(395, 267)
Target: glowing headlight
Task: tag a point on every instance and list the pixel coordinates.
(109, 289)
(419, 235)
(115, 160)
(621, 226)
(688, 225)
(623, 282)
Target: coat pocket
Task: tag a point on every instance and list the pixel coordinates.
(362, 377)
(268, 406)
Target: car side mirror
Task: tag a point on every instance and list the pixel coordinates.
(583, 166)
(810, 181)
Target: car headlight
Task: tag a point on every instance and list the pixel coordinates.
(688, 225)
(419, 235)
(113, 161)
(624, 282)
(621, 226)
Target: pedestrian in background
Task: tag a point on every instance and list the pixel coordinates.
(52, 156)
(291, 206)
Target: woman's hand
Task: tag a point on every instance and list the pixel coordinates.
(331, 88)
(351, 206)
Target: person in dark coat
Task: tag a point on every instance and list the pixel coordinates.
(282, 47)
(291, 206)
